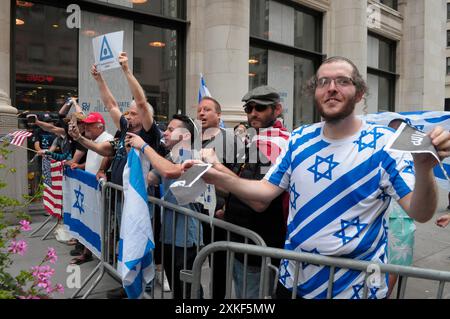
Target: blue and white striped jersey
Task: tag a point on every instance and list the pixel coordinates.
(339, 193)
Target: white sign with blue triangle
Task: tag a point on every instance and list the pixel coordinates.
(107, 48)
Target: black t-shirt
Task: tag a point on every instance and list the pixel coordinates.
(270, 224)
(44, 138)
(229, 149)
(151, 137)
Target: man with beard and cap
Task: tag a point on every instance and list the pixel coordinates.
(267, 138)
(340, 180)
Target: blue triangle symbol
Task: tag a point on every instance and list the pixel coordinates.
(105, 52)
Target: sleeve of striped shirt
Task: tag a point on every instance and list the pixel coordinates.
(398, 177)
(280, 173)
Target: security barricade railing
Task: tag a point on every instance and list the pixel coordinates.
(368, 268)
(112, 204)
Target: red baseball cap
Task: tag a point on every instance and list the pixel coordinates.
(94, 117)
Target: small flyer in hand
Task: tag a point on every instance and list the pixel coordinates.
(411, 140)
(189, 186)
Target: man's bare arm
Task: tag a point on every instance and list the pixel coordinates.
(421, 204)
(51, 128)
(107, 97)
(261, 192)
(138, 93)
(103, 148)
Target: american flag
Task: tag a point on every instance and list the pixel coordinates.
(52, 172)
(16, 137)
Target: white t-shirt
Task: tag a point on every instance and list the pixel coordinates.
(339, 193)
(94, 160)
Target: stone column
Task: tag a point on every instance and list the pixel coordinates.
(17, 183)
(218, 47)
(422, 50)
(346, 33)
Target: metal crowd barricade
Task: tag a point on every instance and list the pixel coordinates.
(404, 272)
(111, 207)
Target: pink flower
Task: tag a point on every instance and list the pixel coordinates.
(25, 225)
(29, 297)
(59, 288)
(51, 255)
(42, 274)
(18, 247)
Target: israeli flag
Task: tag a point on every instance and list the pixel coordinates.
(203, 90)
(136, 235)
(424, 121)
(81, 207)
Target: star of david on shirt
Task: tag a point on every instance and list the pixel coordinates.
(80, 199)
(383, 195)
(348, 226)
(314, 251)
(284, 274)
(356, 290)
(318, 175)
(410, 168)
(373, 293)
(293, 193)
(368, 139)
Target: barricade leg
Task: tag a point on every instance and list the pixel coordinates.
(85, 282)
(96, 282)
(50, 231)
(42, 226)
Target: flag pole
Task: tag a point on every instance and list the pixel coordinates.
(26, 148)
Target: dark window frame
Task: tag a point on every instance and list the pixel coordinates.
(391, 76)
(393, 6)
(316, 57)
(448, 66)
(448, 11)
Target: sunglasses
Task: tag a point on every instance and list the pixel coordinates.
(258, 108)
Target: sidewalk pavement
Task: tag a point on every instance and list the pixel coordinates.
(432, 251)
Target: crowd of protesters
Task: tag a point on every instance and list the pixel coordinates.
(267, 179)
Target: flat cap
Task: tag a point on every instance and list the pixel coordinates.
(263, 95)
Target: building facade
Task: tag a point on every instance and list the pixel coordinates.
(398, 45)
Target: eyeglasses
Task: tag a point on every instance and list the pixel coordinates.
(340, 81)
(258, 107)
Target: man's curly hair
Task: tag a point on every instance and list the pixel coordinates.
(360, 84)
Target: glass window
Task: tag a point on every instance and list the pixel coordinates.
(259, 18)
(304, 111)
(390, 3)
(273, 26)
(448, 11)
(448, 66)
(168, 8)
(155, 65)
(46, 71)
(284, 24)
(381, 54)
(288, 73)
(306, 31)
(381, 76)
(447, 105)
(257, 67)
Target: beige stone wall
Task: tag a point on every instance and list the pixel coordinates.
(218, 47)
(421, 56)
(17, 183)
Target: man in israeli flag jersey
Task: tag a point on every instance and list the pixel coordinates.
(136, 236)
(340, 181)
